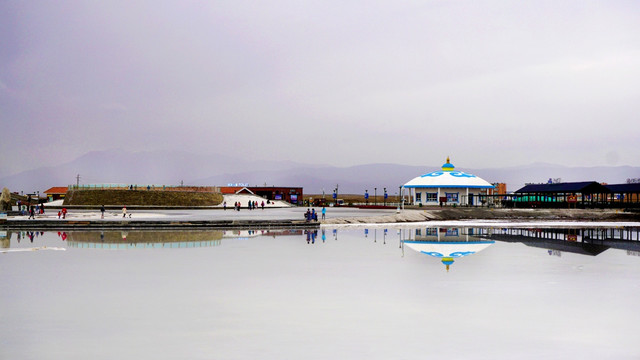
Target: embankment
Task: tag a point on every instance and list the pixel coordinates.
(119, 198)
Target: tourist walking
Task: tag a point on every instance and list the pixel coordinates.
(324, 212)
(224, 205)
(124, 211)
(64, 213)
(102, 211)
(32, 212)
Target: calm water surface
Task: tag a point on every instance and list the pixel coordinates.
(336, 294)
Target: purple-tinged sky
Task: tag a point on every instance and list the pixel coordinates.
(490, 83)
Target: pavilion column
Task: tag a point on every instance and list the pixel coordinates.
(467, 197)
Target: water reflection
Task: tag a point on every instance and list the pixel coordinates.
(447, 244)
(246, 234)
(165, 239)
(586, 241)
(444, 243)
(141, 239)
(263, 288)
(20, 236)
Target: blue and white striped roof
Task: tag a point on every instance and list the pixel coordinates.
(448, 177)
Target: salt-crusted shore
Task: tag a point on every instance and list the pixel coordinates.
(450, 214)
(293, 218)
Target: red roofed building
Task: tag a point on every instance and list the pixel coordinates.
(56, 193)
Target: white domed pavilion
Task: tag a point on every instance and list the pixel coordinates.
(448, 186)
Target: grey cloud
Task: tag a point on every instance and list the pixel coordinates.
(335, 82)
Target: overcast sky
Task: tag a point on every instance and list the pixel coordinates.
(490, 83)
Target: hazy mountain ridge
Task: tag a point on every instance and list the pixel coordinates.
(172, 167)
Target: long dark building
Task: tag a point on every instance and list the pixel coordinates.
(586, 194)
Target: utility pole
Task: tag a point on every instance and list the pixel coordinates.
(77, 181)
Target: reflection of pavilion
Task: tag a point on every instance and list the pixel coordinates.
(588, 241)
(447, 244)
(143, 239)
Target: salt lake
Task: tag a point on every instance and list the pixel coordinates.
(349, 292)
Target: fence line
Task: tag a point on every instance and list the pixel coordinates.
(145, 187)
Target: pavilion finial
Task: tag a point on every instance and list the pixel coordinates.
(448, 166)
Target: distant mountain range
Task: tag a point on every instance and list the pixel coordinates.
(172, 168)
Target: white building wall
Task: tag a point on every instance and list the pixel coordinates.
(463, 195)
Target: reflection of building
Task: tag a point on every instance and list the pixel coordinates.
(588, 241)
(143, 239)
(241, 234)
(447, 186)
(246, 234)
(5, 239)
(447, 244)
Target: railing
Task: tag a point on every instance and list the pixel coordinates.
(145, 187)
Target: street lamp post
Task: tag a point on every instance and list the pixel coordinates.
(375, 196)
(385, 196)
(366, 197)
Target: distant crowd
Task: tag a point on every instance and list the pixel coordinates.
(251, 205)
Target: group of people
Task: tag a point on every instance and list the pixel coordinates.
(312, 215)
(37, 209)
(251, 205)
(32, 210)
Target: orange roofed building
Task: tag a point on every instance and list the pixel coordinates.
(56, 193)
